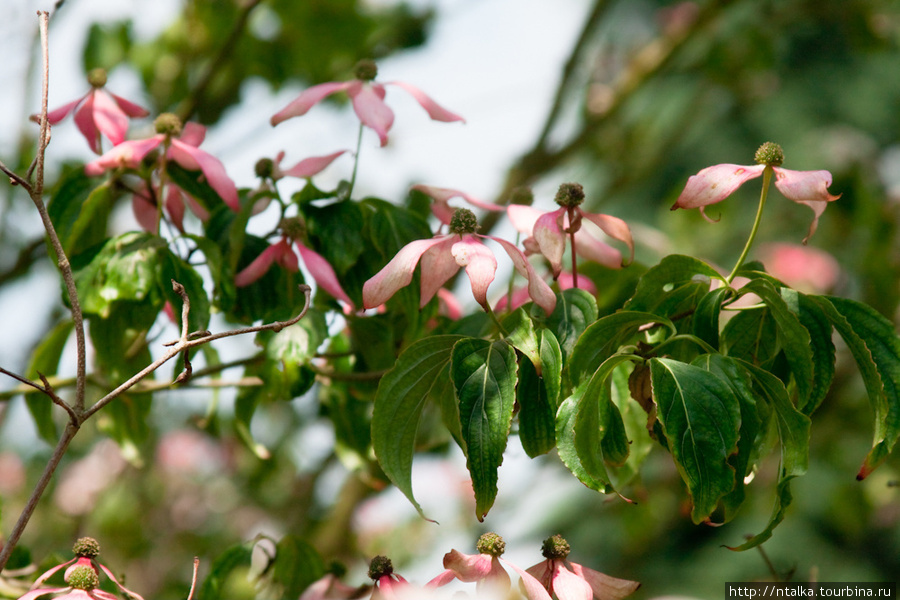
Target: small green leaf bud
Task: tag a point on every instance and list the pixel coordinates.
(555, 547)
(770, 154)
(97, 77)
(570, 195)
(379, 567)
(463, 221)
(168, 124)
(83, 577)
(522, 195)
(366, 70)
(87, 547)
(491, 543)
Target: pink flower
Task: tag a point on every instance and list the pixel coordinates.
(282, 252)
(144, 207)
(570, 581)
(442, 256)
(182, 150)
(548, 231)
(387, 583)
(441, 196)
(329, 587)
(99, 112)
(368, 101)
(306, 168)
(565, 281)
(714, 184)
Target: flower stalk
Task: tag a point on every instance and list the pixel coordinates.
(767, 180)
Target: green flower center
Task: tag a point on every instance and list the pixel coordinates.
(83, 577)
(366, 70)
(264, 168)
(770, 154)
(97, 78)
(293, 228)
(463, 221)
(555, 547)
(168, 124)
(570, 195)
(491, 543)
(379, 567)
(87, 547)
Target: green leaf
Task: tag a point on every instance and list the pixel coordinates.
(45, 361)
(876, 348)
(399, 400)
(674, 286)
(484, 374)
(565, 444)
(232, 559)
(604, 338)
(79, 211)
(575, 310)
(700, 417)
(195, 184)
(706, 316)
(340, 244)
(538, 397)
(523, 336)
(173, 268)
(751, 335)
(297, 565)
(813, 318)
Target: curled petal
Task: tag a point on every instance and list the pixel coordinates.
(435, 110)
(323, 274)
(398, 272)
(129, 108)
(476, 567)
(714, 184)
(368, 103)
(49, 573)
(127, 154)
(539, 291)
(603, 586)
(806, 187)
(615, 228)
(312, 165)
(191, 158)
(280, 251)
(537, 581)
(550, 238)
(441, 196)
(480, 264)
(589, 247)
(307, 99)
(569, 586)
(438, 265)
(37, 593)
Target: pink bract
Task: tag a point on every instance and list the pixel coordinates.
(99, 113)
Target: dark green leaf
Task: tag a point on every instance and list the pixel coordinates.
(337, 240)
(820, 336)
(673, 287)
(232, 559)
(706, 316)
(484, 374)
(523, 336)
(575, 310)
(538, 398)
(751, 335)
(174, 268)
(297, 565)
(195, 184)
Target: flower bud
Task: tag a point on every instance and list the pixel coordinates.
(366, 70)
(522, 195)
(463, 221)
(87, 547)
(168, 124)
(570, 195)
(770, 154)
(83, 577)
(555, 547)
(380, 567)
(264, 168)
(491, 543)
(97, 77)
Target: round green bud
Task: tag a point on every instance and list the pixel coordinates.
(491, 543)
(168, 124)
(522, 195)
(366, 70)
(97, 77)
(555, 547)
(264, 168)
(380, 567)
(87, 547)
(83, 577)
(293, 227)
(570, 195)
(770, 154)
(463, 221)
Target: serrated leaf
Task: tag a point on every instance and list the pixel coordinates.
(674, 286)
(813, 318)
(876, 348)
(538, 398)
(484, 374)
(575, 310)
(45, 361)
(700, 418)
(399, 400)
(221, 568)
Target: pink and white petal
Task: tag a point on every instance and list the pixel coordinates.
(438, 265)
(469, 567)
(213, 169)
(175, 206)
(307, 99)
(144, 212)
(259, 266)
(98, 594)
(118, 584)
(128, 107)
(127, 154)
(531, 581)
(443, 195)
(538, 289)
(49, 573)
(442, 579)
(87, 125)
(192, 134)
(322, 273)
(109, 118)
(550, 238)
(312, 165)
(480, 264)
(435, 110)
(57, 115)
(523, 217)
(603, 586)
(397, 273)
(714, 184)
(368, 103)
(589, 247)
(806, 187)
(31, 595)
(569, 586)
(615, 228)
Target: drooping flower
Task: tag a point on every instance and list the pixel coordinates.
(82, 575)
(442, 256)
(181, 147)
(441, 196)
(367, 97)
(99, 112)
(547, 231)
(714, 184)
(570, 581)
(387, 583)
(282, 252)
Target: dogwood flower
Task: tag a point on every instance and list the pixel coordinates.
(441, 196)
(714, 184)
(547, 231)
(570, 581)
(367, 97)
(387, 583)
(282, 252)
(99, 112)
(442, 256)
(181, 146)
